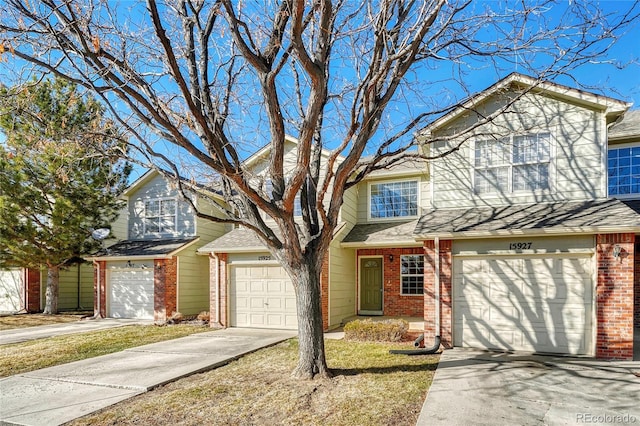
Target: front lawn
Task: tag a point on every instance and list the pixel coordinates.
(10, 322)
(369, 387)
(33, 355)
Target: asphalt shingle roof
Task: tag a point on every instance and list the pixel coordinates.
(145, 247)
(629, 126)
(238, 238)
(578, 214)
(380, 233)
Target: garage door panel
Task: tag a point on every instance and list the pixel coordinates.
(534, 304)
(11, 285)
(131, 293)
(270, 296)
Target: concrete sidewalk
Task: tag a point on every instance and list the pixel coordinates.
(56, 395)
(492, 388)
(18, 335)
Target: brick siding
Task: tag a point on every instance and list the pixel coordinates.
(395, 303)
(445, 260)
(614, 296)
(102, 267)
(636, 282)
(165, 287)
(33, 284)
(218, 294)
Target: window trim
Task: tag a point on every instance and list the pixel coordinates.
(396, 218)
(510, 165)
(402, 293)
(144, 215)
(632, 195)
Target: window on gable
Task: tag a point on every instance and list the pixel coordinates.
(394, 199)
(160, 216)
(518, 163)
(412, 274)
(297, 205)
(624, 171)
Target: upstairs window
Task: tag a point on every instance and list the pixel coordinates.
(297, 205)
(518, 163)
(624, 171)
(160, 216)
(412, 274)
(394, 199)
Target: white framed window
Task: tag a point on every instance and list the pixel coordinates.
(516, 163)
(412, 274)
(623, 169)
(397, 199)
(160, 216)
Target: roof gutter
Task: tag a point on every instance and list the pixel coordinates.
(528, 232)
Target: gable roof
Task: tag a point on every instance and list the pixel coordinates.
(144, 248)
(610, 105)
(628, 127)
(604, 215)
(262, 152)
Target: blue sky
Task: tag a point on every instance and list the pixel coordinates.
(617, 74)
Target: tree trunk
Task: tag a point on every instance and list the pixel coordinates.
(51, 296)
(311, 361)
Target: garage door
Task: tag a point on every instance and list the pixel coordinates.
(131, 293)
(533, 303)
(262, 297)
(11, 285)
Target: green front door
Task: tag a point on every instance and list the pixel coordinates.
(371, 285)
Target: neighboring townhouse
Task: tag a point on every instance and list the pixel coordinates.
(525, 251)
(23, 289)
(372, 269)
(533, 254)
(153, 270)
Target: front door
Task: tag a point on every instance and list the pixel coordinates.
(371, 286)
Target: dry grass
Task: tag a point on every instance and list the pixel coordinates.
(33, 355)
(32, 320)
(369, 387)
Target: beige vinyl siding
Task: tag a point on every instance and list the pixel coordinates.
(349, 209)
(158, 187)
(193, 282)
(342, 281)
(68, 287)
(576, 170)
(208, 230)
(119, 227)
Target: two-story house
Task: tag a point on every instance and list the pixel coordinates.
(526, 251)
(153, 270)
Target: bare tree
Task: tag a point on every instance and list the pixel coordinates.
(355, 79)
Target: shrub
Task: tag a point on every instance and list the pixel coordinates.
(204, 316)
(391, 330)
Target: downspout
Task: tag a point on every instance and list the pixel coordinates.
(436, 281)
(217, 286)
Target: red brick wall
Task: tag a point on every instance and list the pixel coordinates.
(445, 260)
(102, 267)
(394, 303)
(165, 287)
(614, 296)
(221, 291)
(636, 291)
(32, 296)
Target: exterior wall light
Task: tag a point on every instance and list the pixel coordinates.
(390, 258)
(616, 251)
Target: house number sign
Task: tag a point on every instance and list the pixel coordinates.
(522, 245)
(264, 257)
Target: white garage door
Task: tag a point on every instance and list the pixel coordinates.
(11, 286)
(131, 293)
(262, 297)
(532, 303)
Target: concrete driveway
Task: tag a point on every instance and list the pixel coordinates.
(18, 335)
(55, 395)
(489, 388)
